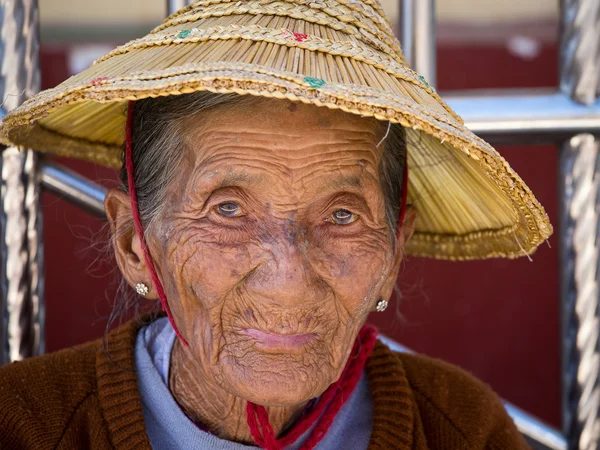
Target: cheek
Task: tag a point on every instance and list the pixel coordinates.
(203, 270)
(353, 266)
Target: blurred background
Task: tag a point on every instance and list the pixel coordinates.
(497, 319)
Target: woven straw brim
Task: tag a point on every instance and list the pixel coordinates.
(339, 54)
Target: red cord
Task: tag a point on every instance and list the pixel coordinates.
(404, 193)
(253, 424)
(326, 409)
(138, 221)
(262, 432)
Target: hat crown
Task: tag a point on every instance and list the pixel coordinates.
(365, 20)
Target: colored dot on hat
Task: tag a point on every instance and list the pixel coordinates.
(300, 37)
(422, 78)
(314, 83)
(99, 80)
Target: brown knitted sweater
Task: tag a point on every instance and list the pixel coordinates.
(87, 398)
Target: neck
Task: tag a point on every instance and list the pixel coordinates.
(221, 412)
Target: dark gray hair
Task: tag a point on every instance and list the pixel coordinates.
(158, 143)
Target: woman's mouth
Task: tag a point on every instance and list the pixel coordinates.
(277, 343)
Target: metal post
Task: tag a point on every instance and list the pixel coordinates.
(73, 187)
(175, 5)
(537, 116)
(21, 278)
(580, 50)
(418, 36)
(578, 183)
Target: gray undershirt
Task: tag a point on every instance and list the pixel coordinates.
(168, 427)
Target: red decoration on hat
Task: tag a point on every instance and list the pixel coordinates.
(99, 80)
(300, 37)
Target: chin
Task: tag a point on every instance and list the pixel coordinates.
(275, 380)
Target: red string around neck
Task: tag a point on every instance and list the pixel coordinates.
(329, 404)
(139, 229)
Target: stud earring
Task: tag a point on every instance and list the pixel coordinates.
(382, 305)
(142, 289)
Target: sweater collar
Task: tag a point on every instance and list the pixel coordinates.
(118, 390)
(393, 402)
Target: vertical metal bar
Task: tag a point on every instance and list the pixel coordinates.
(580, 50)
(579, 183)
(175, 5)
(579, 291)
(21, 277)
(406, 32)
(418, 36)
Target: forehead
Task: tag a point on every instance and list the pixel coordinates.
(278, 115)
(282, 138)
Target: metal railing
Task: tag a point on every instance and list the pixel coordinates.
(21, 279)
(568, 117)
(579, 170)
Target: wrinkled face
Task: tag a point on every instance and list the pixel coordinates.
(274, 247)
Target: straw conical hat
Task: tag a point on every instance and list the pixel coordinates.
(334, 53)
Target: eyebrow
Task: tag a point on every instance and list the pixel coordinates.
(344, 182)
(237, 178)
(233, 179)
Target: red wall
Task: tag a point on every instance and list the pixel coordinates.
(498, 319)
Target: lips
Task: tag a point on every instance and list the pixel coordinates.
(279, 342)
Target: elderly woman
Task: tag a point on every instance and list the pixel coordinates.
(269, 226)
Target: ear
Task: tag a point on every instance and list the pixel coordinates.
(405, 232)
(126, 243)
(407, 229)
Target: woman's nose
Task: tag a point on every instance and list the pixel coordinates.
(285, 275)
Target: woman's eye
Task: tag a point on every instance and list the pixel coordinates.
(229, 209)
(343, 217)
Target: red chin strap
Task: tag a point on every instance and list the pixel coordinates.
(139, 229)
(404, 200)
